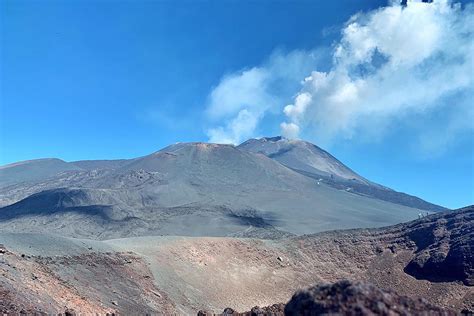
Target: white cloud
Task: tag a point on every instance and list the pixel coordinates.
(290, 130)
(389, 62)
(240, 127)
(238, 91)
(295, 110)
(241, 100)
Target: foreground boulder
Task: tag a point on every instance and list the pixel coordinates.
(343, 298)
(357, 298)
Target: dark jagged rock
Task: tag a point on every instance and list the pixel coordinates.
(229, 311)
(272, 310)
(348, 298)
(445, 248)
(70, 312)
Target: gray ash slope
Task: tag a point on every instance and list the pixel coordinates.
(312, 161)
(33, 170)
(301, 155)
(189, 189)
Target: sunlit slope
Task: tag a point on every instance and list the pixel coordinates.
(193, 189)
(314, 162)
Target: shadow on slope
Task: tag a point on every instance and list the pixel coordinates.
(102, 214)
(55, 202)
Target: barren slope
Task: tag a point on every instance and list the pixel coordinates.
(33, 170)
(301, 155)
(190, 189)
(185, 274)
(316, 163)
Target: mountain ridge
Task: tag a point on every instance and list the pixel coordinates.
(194, 189)
(301, 156)
(316, 159)
(291, 153)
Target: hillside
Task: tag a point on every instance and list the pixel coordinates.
(314, 162)
(190, 189)
(33, 170)
(301, 155)
(184, 275)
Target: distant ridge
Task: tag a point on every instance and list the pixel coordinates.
(33, 170)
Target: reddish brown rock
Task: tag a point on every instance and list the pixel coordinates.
(445, 248)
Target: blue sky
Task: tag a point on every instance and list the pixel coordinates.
(120, 79)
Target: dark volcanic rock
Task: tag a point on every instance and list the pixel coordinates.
(273, 310)
(348, 298)
(445, 248)
(229, 311)
(70, 312)
(343, 298)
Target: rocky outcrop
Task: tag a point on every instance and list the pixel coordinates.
(273, 310)
(348, 298)
(445, 247)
